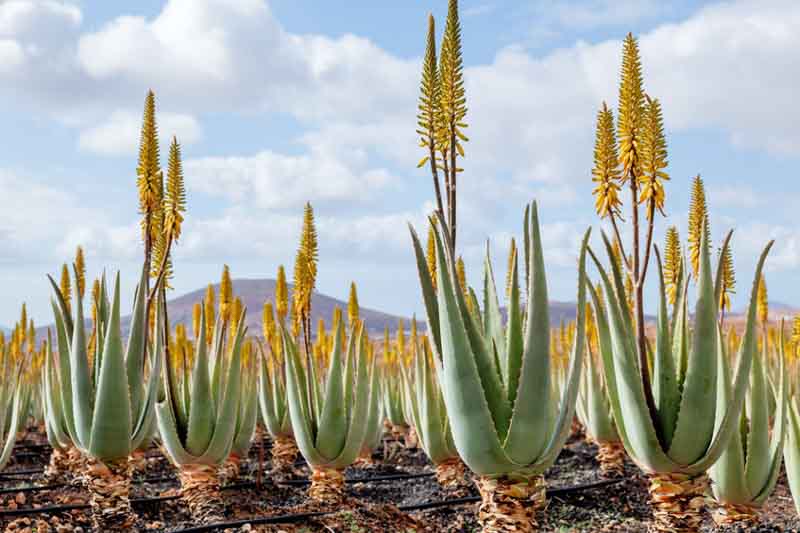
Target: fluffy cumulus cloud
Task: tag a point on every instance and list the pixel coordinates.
(729, 67)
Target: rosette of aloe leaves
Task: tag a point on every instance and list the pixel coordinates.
(428, 417)
(747, 471)
(330, 413)
(507, 424)
(106, 401)
(15, 395)
(198, 429)
(690, 426)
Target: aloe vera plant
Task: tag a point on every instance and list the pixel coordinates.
(593, 408)
(198, 429)
(428, 416)
(107, 406)
(747, 471)
(246, 418)
(274, 409)
(15, 395)
(330, 413)
(375, 429)
(507, 424)
(690, 428)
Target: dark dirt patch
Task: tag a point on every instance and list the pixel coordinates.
(372, 505)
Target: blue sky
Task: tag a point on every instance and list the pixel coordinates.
(278, 102)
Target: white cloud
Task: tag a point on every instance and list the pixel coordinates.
(273, 180)
(119, 134)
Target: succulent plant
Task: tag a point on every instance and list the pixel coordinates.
(428, 416)
(747, 471)
(330, 413)
(15, 396)
(507, 424)
(198, 437)
(690, 428)
(247, 416)
(274, 408)
(594, 408)
(103, 423)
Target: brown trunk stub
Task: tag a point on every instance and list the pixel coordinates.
(611, 456)
(138, 461)
(327, 485)
(678, 501)
(510, 504)
(730, 514)
(230, 469)
(200, 490)
(57, 470)
(452, 474)
(284, 453)
(109, 486)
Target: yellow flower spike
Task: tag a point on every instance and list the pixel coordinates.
(80, 266)
(209, 307)
(352, 305)
(400, 341)
(431, 254)
(762, 301)
(281, 296)
(631, 107)
(175, 200)
(452, 97)
(606, 174)
(269, 329)
(197, 310)
(653, 158)
(149, 181)
(429, 117)
(462, 281)
(95, 300)
(728, 278)
(66, 287)
(698, 222)
(225, 294)
(673, 263)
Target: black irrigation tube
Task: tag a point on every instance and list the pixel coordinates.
(9, 473)
(243, 485)
(292, 518)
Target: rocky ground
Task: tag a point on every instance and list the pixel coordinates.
(372, 504)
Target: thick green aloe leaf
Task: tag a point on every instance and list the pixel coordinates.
(247, 417)
(225, 425)
(167, 429)
(21, 396)
(62, 306)
(135, 352)
(779, 430)
(359, 408)
(559, 432)
(428, 292)
(749, 347)
(433, 417)
(64, 372)
(83, 393)
(757, 462)
(666, 392)
(791, 451)
(296, 394)
(514, 344)
(598, 420)
(111, 424)
(729, 481)
(624, 382)
(493, 317)
(530, 425)
(467, 396)
(462, 326)
(202, 411)
(333, 421)
(695, 426)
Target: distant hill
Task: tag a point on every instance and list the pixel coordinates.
(254, 292)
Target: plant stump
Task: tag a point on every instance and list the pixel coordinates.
(510, 503)
(327, 485)
(678, 501)
(200, 490)
(109, 486)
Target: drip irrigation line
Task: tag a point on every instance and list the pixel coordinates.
(292, 518)
(21, 472)
(237, 486)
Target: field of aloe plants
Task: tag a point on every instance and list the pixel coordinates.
(481, 416)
